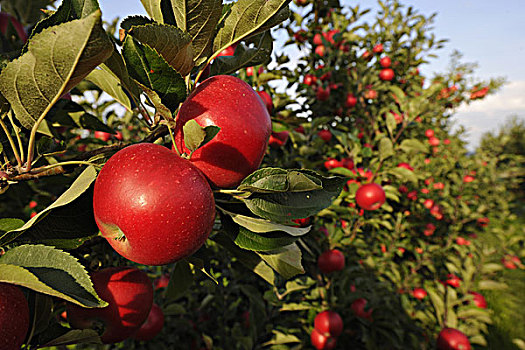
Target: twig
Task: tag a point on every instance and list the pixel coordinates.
(11, 141)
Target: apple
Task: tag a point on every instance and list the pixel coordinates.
(462, 241)
(14, 316)
(468, 178)
(479, 300)
(6, 19)
(406, 166)
(310, 79)
(322, 94)
(350, 101)
(419, 293)
(303, 222)
(429, 133)
(370, 196)
(366, 55)
(162, 281)
(483, 222)
(129, 293)
(249, 71)
(152, 206)
(385, 62)
(320, 50)
(229, 51)
(386, 74)
(300, 36)
(325, 135)
(370, 94)
(329, 323)
(347, 163)
(429, 229)
(239, 147)
(428, 203)
(153, 325)
(102, 135)
(278, 139)
(33, 204)
(322, 342)
(318, 39)
(453, 280)
(358, 307)
(378, 48)
(331, 260)
(452, 339)
(332, 163)
(433, 141)
(267, 100)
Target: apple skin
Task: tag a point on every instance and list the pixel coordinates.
(330, 261)
(358, 307)
(419, 293)
(350, 101)
(385, 62)
(278, 139)
(5, 18)
(267, 100)
(239, 147)
(102, 135)
(452, 339)
(14, 316)
(325, 135)
(429, 133)
(370, 196)
(329, 323)
(386, 74)
(161, 203)
(129, 293)
(479, 300)
(153, 325)
(378, 48)
(322, 342)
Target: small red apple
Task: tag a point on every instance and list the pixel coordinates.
(419, 293)
(428, 203)
(303, 222)
(429, 133)
(14, 316)
(129, 293)
(350, 101)
(386, 74)
(229, 51)
(385, 62)
(322, 93)
(453, 280)
(406, 166)
(322, 342)
(332, 163)
(330, 261)
(239, 147)
(162, 281)
(347, 163)
(318, 39)
(267, 100)
(433, 141)
(320, 50)
(153, 206)
(479, 300)
(5, 19)
(378, 48)
(153, 325)
(310, 79)
(102, 135)
(370, 196)
(325, 135)
(278, 139)
(358, 307)
(468, 178)
(329, 323)
(452, 339)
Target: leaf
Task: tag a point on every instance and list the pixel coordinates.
(404, 174)
(50, 271)
(274, 180)
(391, 124)
(413, 145)
(199, 19)
(285, 261)
(245, 56)
(437, 302)
(153, 9)
(181, 279)
(69, 113)
(69, 218)
(7, 224)
(154, 75)
(57, 59)
(196, 136)
(76, 336)
(492, 285)
(169, 42)
(247, 18)
(386, 148)
(262, 226)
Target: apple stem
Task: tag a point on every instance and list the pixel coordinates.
(121, 237)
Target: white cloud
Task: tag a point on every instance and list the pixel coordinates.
(490, 113)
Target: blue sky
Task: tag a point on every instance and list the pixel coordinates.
(487, 32)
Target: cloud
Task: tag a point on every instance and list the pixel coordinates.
(491, 113)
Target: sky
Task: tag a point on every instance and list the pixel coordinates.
(487, 32)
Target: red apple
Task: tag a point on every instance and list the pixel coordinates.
(102, 135)
(330, 261)
(239, 147)
(358, 307)
(386, 74)
(14, 316)
(162, 281)
(452, 339)
(428, 203)
(303, 222)
(6, 19)
(385, 62)
(350, 101)
(370, 196)
(370, 94)
(332, 163)
(347, 163)
(429, 133)
(153, 325)
(419, 293)
(322, 94)
(129, 293)
(318, 39)
(325, 135)
(278, 139)
(249, 71)
(433, 141)
(479, 300)
(468, 178)
(453, 280)
(153, 206)
(322, 342)
(229, 51)
(406, 166)
(320, 50)
(267, 100)
(310, 79)
(329, 323)
(378, 48)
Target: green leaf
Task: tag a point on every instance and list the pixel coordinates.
(75, 336)
(70, 216)
(196, 136)
(181, 279)
(285, 261)
(69, 113)
(247, 18)
(50, 271)
(199, 19)
(413, 146)
(262, 226)
(273, 180)
(386, 148)
(163, 84)
(245, 56)
(169, 42)
(404, 174)
(57, 59)
(437, 302)
(391, 124)
(492, 285)
(280, 338)
(7, 224)
(27, 10)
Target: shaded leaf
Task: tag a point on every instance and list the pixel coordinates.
(386, 148)
(181, 279)
(285, 261)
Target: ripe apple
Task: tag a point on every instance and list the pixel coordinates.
(322, 94)
(378, 48)
(385, 62)
(358, 307)
(267, 100)
(162, 281)
(483, 222)
(453, 280)
(239, 147)
(322, 342)
(129, 293)
(310, 79)
(229, 51)
(370, 94)
(347, 163)
(332, 163)
(5, 19)
(419, 293)
(479, 300)
(102, 135)
(330, 261)
(14, 316)
(386, 74)
(406, 166)
(452, 339)
(318, 39)
(153, 325)
(278, 139)
(433, 141)
(370, 196)
(428, 203)
(462, 241)
(329, 323)
(325, 135)
(350, 101)
(429, 133)
(468, 178)
(153, 206)
(303, 222)
(320, 50)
